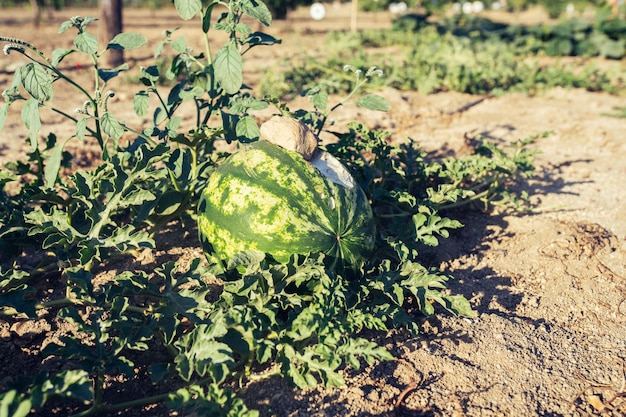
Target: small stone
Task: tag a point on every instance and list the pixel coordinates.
(290, 134)
(596, 403)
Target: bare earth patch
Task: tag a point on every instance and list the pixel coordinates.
(549, 288)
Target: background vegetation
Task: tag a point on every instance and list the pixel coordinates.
(280, 7)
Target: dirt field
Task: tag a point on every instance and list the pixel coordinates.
(549, 288)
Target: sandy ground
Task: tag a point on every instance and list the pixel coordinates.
(549, 288)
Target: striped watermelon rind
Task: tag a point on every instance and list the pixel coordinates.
(269, 199)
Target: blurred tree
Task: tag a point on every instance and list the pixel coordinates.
(37, 6)
(110, 26)
(280, 8)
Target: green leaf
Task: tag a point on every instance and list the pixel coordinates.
(14, 405)
(54, 164)
(179, 45)
(149, 75)
(297, 378)
(195, 92)
(229, 68)
(159, 371)
(613, 49)
(141, 103)
(258, 10)
(110, 126)
(187, 9)
(65, 26)
(459, 305)
(246, 262)
(202, 354)
(20, 298)
(260, 38)
(37, 81)
(74, 383)
(169, 202)
(319, 100)
(247, 128)
(137, 197)
(32, 120)
(127, 41)
(206, 17)
(107, 73)
(86, 43)
(59, 54)
(373, 102)
(81, 128)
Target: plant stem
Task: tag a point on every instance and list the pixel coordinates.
(68, 301)
(99, 408)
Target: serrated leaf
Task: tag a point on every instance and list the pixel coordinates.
(257, 10)
(460, 306)
(110, 126)
(296, 377)
(37, 81)
(59, 54)
(228, 66)
(65, 26)
(141, 102)
(373, 102)
(246, 262)
(319, 100)
(179, 45)
(86, 43)
(32, 120)
(138, 197)
(187, 9)
(202, 354)
(127, 41)
(247, 128)
(81, 128)
(192, 93)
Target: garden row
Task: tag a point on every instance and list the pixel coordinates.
(467, 54)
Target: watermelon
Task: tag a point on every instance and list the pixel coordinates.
(272, 200)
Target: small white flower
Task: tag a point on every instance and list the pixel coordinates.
(374, 71)
(12, 47)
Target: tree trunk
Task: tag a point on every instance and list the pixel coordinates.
(34, 4)
(110, 26)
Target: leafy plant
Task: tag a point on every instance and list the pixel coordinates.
(430, 61)
(208, 326)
